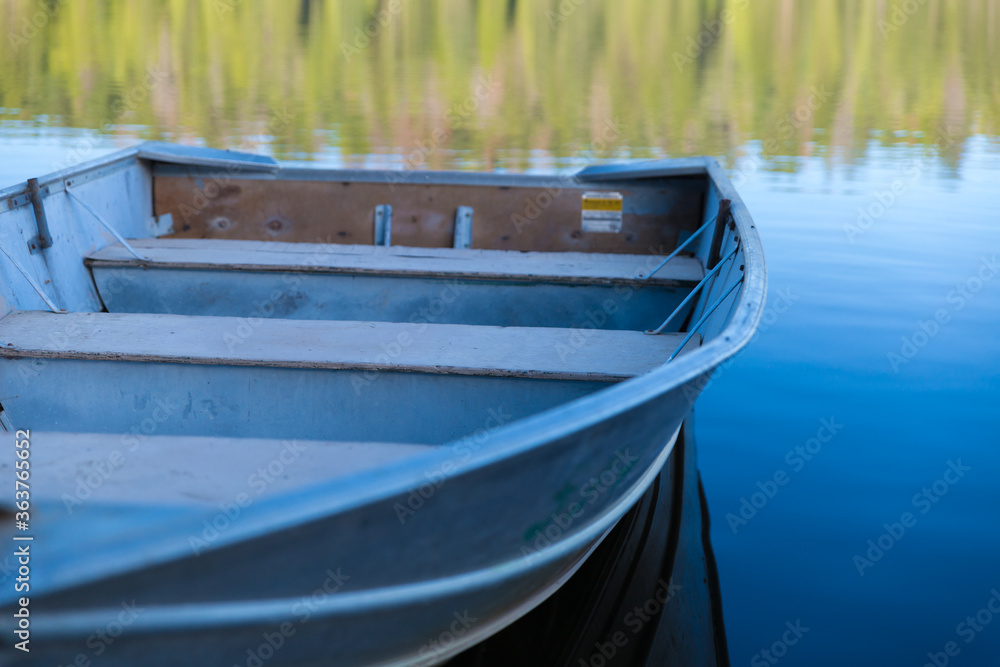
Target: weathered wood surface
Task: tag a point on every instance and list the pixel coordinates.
(530, 352)
(506, 218)
(198, 470)
(559, 267)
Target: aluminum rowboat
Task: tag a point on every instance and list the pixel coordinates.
(295, 416)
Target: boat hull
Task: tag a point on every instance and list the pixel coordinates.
(340, 619)
(385, 561)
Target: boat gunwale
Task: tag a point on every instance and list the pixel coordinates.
(679, 167)
(17, 195)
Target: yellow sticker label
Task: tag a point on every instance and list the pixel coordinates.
(602, 203)
(601, 212)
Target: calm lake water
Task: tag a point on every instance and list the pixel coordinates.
(864, 136)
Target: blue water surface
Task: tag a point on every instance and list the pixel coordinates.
(845, 293)
(849, 301)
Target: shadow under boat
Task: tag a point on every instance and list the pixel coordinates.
(648, 596)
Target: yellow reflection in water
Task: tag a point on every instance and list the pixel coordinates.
(504, 83)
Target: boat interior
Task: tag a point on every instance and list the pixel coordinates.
(206, 307)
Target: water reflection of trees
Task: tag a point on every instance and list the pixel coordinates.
(677, 77)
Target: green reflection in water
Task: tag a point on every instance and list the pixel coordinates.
(504, 83)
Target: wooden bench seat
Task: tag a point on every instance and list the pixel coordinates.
(577, 268)
(453, 349)
(225, 278)
(158, 374)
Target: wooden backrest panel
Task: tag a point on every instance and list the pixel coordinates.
(543, 218)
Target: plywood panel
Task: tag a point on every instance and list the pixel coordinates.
(506, 218)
